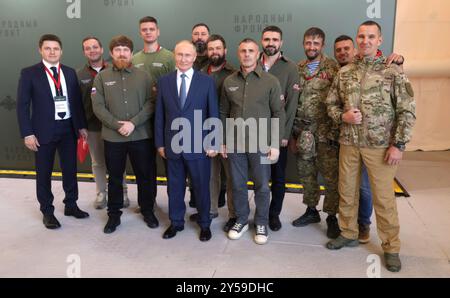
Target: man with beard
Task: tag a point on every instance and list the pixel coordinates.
(344, 53)
(316, 135)
(218, 68)
(93, 51)
(122, 100)
(200, 35)
(273, 61)
(374, 105)
(154, 59)
(251, 95)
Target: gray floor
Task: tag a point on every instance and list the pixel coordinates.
(27, 249)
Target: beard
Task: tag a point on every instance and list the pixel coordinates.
(217, 60)
(200, 45)
(271, 50)
(121, 63)
(312, 56)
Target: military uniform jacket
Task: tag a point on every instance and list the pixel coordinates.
(382, 94)
(287, 74)
(86, 76)
(123, 95)
(314, 89)
(255, 96)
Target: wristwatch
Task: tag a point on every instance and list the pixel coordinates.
(400, 146)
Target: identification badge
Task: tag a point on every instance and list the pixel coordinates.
(61, 104)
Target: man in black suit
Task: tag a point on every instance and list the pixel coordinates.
(51, 116)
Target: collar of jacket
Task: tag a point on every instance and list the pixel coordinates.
(128, 69)
(258, 71)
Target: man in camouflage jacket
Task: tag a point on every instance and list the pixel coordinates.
(316, 134)
(375, 108)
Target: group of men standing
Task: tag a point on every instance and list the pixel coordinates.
(347, 124)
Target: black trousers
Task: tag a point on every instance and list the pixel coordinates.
(65, 142)
(142, 158)
(278, 173)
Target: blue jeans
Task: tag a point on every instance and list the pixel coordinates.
(365, 198)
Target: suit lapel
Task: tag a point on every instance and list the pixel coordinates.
(44, 80)
(174, 89)
(192, 89)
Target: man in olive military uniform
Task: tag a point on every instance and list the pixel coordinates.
(315, 133)
(93, 51)
(274, 62)
(123, 101)
(375, 108)
(251, 95)
(220, 183)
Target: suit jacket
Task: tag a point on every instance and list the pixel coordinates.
(35, 105)
(202, 96)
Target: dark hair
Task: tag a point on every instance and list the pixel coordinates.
(247, 40)
(215, 37)
(49, 37)
(200, 25)
(273, 29)
(121, 40)
(342, 38)
(148, 19)
(91, 37)
(314, 31)
(371, 23)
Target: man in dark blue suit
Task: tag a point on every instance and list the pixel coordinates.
(51, 116)
(186, 98)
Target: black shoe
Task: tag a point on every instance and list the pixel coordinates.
(112, 224)
(205, 234)
(274, 222)
(311, 216)
(192, 199)
(50, 222)
(195, 217)
(333, 230)
(172, 231)
(75, 212)
(221, 199)
(229, 224)
(151, 220)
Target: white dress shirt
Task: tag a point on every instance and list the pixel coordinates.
(53, 88)
(189, 73)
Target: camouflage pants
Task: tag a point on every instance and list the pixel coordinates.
(326, 163)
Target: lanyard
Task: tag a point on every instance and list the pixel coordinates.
(57, 83)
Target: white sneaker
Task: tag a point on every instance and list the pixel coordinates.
(237, 230)
(126, 200)
(261, 235)
(100, 201)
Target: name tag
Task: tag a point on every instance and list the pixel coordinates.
(61, 104)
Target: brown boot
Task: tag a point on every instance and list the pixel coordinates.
(364, 234)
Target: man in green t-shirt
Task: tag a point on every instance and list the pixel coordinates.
(153, 59)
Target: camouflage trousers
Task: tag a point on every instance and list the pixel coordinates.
(326, 163)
